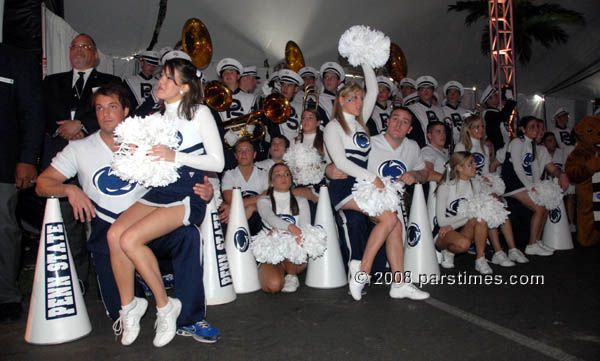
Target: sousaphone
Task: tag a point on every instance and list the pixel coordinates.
(196, 42)
(396, 64)
(293, 56)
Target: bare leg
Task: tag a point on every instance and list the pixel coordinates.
(395, 251)
(292, 268)
(478, 231)
(537, 220)
(271, 277)
(454, 242)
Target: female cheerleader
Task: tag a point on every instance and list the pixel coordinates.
(282, 210)
(524, 165)
(472, 140)
(348, 145)
(457, 232)
(163, 209)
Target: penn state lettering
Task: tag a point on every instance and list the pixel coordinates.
(60, 298)
(224, 273)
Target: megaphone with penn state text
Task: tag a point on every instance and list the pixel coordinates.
(57, 312)
(218, 281)
(237, 245)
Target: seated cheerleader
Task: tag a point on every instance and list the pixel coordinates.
(280, 209)
(348, 145)
(163, 209)
(523, 167)
(472, 140)
(456, 231)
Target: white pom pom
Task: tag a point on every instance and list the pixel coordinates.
(374, 201)
(314, 241)
(546, 193)
(306, 164)
(494, 184)
(290, 249)
(136, 137)
(484, 207)
(265, 247)
(363, 45)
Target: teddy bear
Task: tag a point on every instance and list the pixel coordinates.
(583, 169)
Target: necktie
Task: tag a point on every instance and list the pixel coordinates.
(79, 84)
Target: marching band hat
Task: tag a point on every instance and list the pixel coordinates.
(411, 98)
(333, 67)
(487, 93)
(426, 80)
(250, 71)
(383, 80)
(175, 54)
(229, 63)
(290, 76)
(408, 82)
(453, 84)
(308, 71)
(150, 57)
(559, 112)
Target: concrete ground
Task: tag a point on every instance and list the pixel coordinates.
(556, 320)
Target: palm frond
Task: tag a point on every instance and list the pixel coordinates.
(477, 9)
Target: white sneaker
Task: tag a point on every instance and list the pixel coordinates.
(356, 279)
(516, 255)
(544, 246)
(291, 284)
(407, 290)
(482, 266)
(572, 228)
(537, 250)
(448, 261)
(128, 322)
(500, 258)
(166, 323)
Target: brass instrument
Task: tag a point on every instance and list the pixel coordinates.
(396, 64)
(293, 56)
(217, 96)
(276, 108)
(196, 42)
(311, 97)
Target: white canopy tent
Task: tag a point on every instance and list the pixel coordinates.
(434, 41)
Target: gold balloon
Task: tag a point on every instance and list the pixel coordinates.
(196, 42)
(293, 56)
(396, 64)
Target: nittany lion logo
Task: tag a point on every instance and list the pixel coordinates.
(527, 160)
(413, 234)
(555, 215)
(179, 139)
(436, 226)
(391, 168)
(248, 194)
(108, 183)
(288, 218)
(452, 209)
(241, 239)
(598, 196)
(361, 139)
(479, 161)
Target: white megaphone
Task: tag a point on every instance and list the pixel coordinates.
(328, 270)
(237, 245)
(419, 254)
(218, 282)
(431, 204)
(57, 312)
(556, 231)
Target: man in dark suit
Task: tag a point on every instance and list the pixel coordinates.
(20, 145)
(69, 116)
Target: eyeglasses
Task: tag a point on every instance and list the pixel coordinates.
(81, 46)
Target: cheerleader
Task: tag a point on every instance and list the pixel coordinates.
(457, 232)
(164, 209)
(472, 140)
(282, 210)
(523, 166)
(348, 145)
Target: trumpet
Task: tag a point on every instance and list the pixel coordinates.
(311, 97)
(276, 108)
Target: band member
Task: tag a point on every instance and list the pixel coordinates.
(249, 79)
(424, 110)
(332, 75)
(408, 86)
(310, 76)
(453, 112)
(143, 85)
(290, 85)
(562, 131)
(496, 120)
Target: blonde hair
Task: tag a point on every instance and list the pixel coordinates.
(465, 136)
(457, 158)
(338, 111)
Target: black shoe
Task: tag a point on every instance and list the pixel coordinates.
(10, 311)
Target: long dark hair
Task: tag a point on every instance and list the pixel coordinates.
(318, 142)
(293, 202)
(187, 75)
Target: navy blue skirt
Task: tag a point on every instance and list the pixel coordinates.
(340, 191)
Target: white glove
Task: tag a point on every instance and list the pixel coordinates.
(509, 94)
(267, 90)
(250, 129)
(231, 138)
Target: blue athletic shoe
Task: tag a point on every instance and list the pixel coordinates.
(201, 331)
(168, 281)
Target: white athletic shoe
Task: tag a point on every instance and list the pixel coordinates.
(291, 284)
(356, 281)
(500, 258)
(572, 228)
(537, 250)
(166, 323)
(448, 261)
(516, 255)
(482, 266)
(128, 322)
(407, 290)
(545, 246)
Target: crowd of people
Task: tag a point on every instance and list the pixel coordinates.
(400, 131)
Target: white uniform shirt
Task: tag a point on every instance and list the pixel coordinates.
(528, 171)
(449, 196)
(257, 183)
(386, 161)
(438, 158)
(480, 153)
(426, 114)
(380, 115)
(326, 100)
(282, 219)
(291, 127)
(141, 87)
(242, 103)
(89, 158)
(563, 137)
(455, 116)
